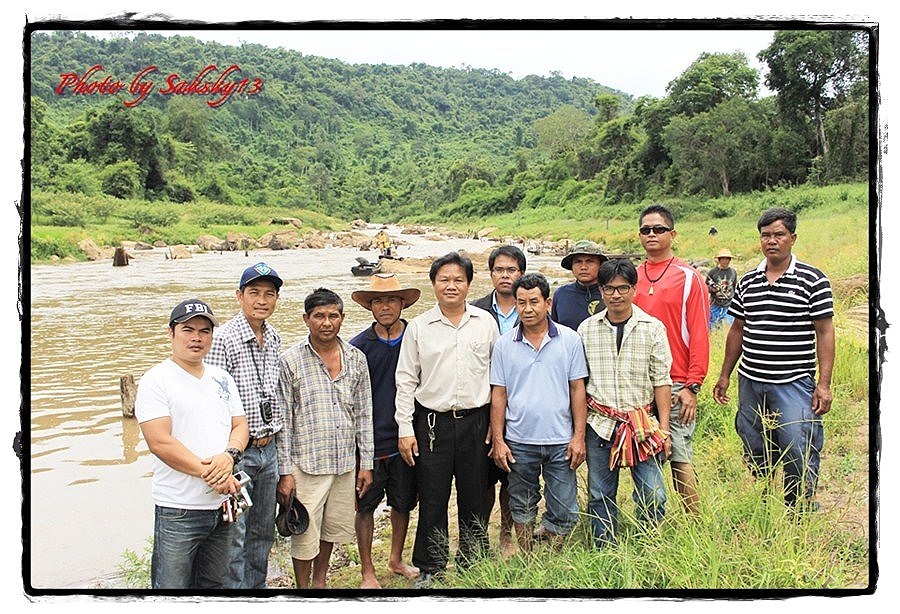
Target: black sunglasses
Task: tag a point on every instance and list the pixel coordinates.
(657, 230)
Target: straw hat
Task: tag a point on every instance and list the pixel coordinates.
(724, 253)
(385, 284)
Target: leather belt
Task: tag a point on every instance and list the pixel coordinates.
(261, 442)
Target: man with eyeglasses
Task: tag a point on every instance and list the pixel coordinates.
(248, 347)
(574, 302)
(629, 360)
(506, 264)
(782, 326)
(672, 291)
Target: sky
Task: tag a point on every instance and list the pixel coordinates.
(629, 62)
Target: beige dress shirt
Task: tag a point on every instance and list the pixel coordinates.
(444, 367)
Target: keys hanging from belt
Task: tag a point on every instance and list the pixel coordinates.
(430, 420)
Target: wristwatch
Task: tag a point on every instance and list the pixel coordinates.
(235, 454)
(695, 388)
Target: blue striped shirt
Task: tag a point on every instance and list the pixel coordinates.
(779, 342)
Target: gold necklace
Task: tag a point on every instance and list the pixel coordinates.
(653, 281)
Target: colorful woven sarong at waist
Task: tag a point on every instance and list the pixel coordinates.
(636, 438)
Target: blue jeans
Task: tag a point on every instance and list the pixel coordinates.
(190, 548)
(793, 434)
(255, 528)
(603, 484)
(560, 486)
(719, 314)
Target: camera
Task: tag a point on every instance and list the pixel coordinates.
(241, 501)
(265, 410)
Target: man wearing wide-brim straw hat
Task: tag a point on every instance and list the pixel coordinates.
(385, 298)
(721, 280)
(575, 302)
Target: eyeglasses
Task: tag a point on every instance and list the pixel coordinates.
(499, 270)
(622, 290)
(657, 230)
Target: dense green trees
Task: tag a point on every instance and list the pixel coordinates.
(387, 142)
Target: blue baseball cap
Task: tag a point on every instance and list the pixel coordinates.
(260, 270)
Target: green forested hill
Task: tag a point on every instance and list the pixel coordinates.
(350, 139)
(441, 145)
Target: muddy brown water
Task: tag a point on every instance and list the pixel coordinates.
(90, 469)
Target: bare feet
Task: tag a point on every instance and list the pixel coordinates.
(407, 571)
(369, 581)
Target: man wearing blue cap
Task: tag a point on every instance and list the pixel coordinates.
(192, 420)
(248, 347)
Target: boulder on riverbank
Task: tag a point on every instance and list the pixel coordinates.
(210, 243)
(280, 239)
(93, 252)
(296, 223)
(179, 252)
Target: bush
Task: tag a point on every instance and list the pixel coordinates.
(122, 179)
(180, 192)
(152, 216)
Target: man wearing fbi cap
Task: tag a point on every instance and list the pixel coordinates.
(248, 347)
(193, 421)
(380, 342)
(580, 299)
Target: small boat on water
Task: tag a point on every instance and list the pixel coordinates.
(364, 268)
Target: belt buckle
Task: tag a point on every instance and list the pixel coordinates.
(458, 413)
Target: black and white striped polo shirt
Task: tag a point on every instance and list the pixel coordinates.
(779, 343)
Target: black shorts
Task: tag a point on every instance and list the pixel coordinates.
(392, 476)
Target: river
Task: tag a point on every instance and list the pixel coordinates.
(91, 323)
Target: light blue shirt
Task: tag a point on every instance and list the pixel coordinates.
(538, 411)
(506, 321)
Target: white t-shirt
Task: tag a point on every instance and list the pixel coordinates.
(201, 411)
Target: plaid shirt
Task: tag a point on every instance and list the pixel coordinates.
(326, 420)
(235, 349)
(624, 380)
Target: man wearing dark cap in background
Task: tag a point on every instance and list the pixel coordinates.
(191, 417)
(248, 347)
(580, 299)
(391, 475)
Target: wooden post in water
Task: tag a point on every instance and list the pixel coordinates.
(128, 390)
(121, 257)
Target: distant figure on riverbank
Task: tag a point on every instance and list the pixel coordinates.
(249, 348)
(391, 475)
(443, 402)
(327, 399)
(192, 419)
(721, 281)
(574, 302)
(383, 242)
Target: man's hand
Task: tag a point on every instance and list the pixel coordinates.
(218, 469)
(501, 455)
(229, 486)
(576, 452)
(285, 490)
(821, 400)
(720, 391)
(364, 480)
(409, 449)
(688, 405)
(667, 449)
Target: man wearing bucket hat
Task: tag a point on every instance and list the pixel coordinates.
(721, 280)
(580, 299)
(380, 342)
(193, 421)
(248, 347)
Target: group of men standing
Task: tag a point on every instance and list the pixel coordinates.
(606, 371)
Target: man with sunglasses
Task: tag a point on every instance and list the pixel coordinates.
(671, 290)
(248, 347)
